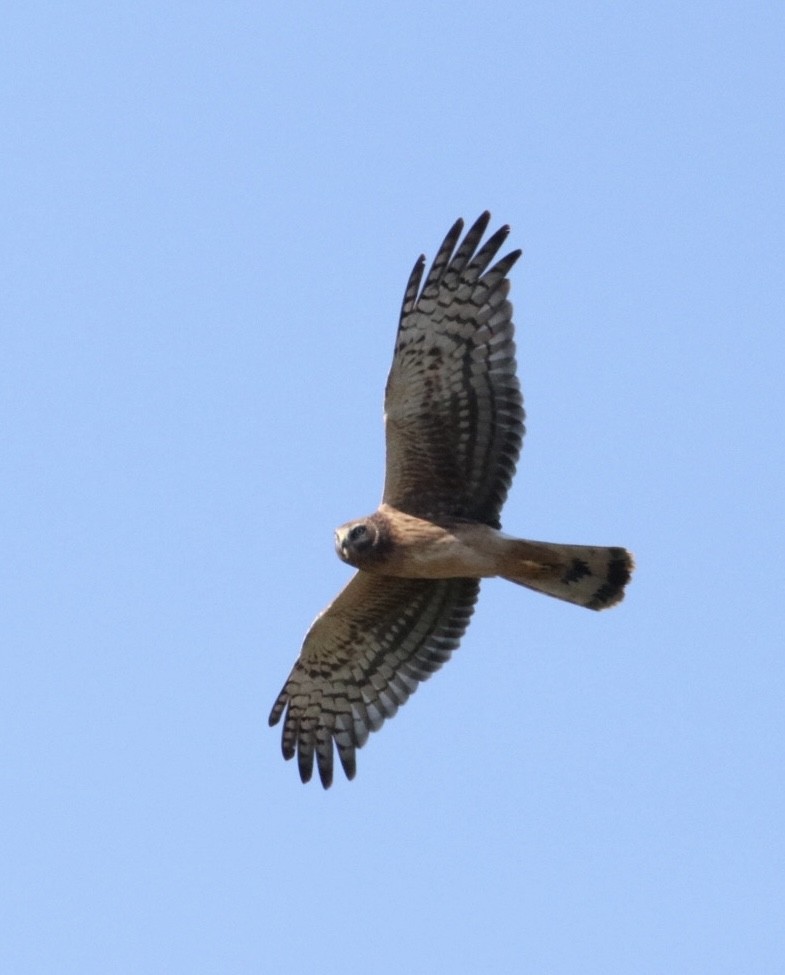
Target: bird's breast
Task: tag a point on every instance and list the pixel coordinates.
(422, 549)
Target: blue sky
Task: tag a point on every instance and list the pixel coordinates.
(210, 213)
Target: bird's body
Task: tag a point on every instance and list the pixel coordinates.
(409, 547)
(418, 548)
(454, 427)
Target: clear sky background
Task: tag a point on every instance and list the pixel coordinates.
(209, 214)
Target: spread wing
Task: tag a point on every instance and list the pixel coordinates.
(453, 406)
(362, 658)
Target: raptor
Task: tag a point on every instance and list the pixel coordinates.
(454, 427)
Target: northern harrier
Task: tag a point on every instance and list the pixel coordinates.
(454, 426)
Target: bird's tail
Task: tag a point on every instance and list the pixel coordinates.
(580, 574)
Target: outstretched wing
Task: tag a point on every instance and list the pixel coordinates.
(453, 406)
(362, 658)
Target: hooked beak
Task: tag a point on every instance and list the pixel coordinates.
(340, 543)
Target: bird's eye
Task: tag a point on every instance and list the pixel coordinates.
(358, 532)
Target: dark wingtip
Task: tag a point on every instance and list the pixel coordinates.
(304, 767)
(278, 708)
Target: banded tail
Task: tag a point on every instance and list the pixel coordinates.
(580, 574)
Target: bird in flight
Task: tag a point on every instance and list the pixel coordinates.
(454, 425)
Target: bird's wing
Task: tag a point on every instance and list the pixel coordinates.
(453, 406)
(362, 658)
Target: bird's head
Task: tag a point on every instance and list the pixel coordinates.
(356, 541)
